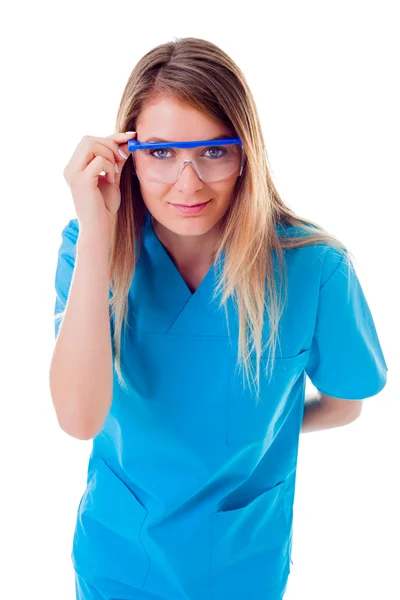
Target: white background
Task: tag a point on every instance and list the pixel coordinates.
(325, 79)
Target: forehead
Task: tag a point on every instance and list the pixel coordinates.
(171, 120)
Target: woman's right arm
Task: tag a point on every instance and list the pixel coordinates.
(81, 371)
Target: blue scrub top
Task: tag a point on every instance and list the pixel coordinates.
(190, 484)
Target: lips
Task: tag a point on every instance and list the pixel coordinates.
(191, 209)
(192, 205)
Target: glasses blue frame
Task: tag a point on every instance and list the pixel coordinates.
(134, 145)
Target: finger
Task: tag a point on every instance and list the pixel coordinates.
(124, 148)
(99, 165)
(113, 142)
(127, 135)
(121, 140)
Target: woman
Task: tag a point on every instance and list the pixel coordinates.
(195, 426)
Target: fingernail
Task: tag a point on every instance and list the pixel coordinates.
(129, 132)
(116, 168)
(122, 153)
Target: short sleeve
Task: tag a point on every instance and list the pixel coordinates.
(346, 359)
(65, 269)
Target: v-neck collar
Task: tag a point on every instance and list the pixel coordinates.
(169, 306)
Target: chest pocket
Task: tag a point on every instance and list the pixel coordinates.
(250, 421)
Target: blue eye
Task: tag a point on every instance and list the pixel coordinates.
(151, 152)
(212, 148)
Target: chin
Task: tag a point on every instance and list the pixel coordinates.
(191, 226)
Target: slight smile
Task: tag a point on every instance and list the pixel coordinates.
(191, 205)
(191, 209)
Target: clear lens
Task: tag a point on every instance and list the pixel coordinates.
(164, 165)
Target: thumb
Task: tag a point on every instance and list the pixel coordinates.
(122, 150)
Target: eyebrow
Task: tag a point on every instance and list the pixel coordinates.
(157, 139)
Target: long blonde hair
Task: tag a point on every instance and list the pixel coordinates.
(200, 74)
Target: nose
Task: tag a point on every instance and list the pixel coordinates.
(188, 177)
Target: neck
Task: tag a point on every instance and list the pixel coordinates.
(188, 251)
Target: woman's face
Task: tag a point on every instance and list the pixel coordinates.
(171, 120)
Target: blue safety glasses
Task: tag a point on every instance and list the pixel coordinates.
(163, 162)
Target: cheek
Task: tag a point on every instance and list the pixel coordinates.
(225, 192)
(153, 193)
(222, 189)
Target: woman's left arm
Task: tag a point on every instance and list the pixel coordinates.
(324, 412)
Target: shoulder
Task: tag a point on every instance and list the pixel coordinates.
(71, 229)
(321, 259)
(69, 237)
